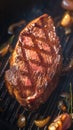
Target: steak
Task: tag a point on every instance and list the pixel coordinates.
(35, 64)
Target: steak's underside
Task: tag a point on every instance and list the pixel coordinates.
(35, 63)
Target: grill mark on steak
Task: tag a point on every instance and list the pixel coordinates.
(37, 49)
(39, 63)
(46, 35)
(34, 38)
(45, 65)
(30, 72)
(31, 35)
(33, 81)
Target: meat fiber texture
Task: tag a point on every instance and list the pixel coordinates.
(35, 64)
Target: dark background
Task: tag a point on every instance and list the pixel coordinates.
(14, 10)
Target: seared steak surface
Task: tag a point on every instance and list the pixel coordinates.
(35, 64)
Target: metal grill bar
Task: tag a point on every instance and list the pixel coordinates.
(1, 84)
(4, 65)
(13, 116)
(4, 92)
(10, 110)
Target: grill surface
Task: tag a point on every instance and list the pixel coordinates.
(11, 108)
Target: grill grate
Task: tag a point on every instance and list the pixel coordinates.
(11, 108)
